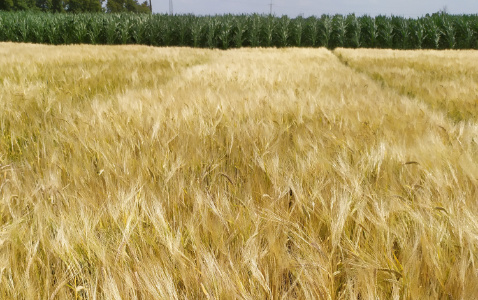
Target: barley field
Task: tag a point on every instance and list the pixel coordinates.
(133, 172)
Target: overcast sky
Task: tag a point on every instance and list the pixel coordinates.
(409, 8)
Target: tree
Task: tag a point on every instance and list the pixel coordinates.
(24, 4)
(117, 6)
(76, 6)
(6, 4)
(94, 5)
(144, 8)
(131, 5)
(44, 5)
(57, 6)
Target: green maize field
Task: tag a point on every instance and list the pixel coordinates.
(437, 31)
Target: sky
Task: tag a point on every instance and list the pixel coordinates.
(293, 8)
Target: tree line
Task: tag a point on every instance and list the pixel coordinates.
(76, 6)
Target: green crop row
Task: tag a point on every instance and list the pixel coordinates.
(437, 31)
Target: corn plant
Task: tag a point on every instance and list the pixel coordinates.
(419, 33)
(94, 30)
(212, 26)
(474, 28)
(182, 25)
(51, 31)
(79, 30)
(268, 30)
(313, 31)
(449, 31)
(467, 32)
(298, 26)
(370, 26)
(225, 31)
(110, 30)
(240, 29)
(255, 28)
(327, 29)
(2, 29)
(152, 31)
(340, 30)
(22, 30)
(197, 30)
(355, 30)
(403, 30)
(36, 30)
(283, 31)
(386, 31)
(434, 33)
(9, 30)
(168, 30)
